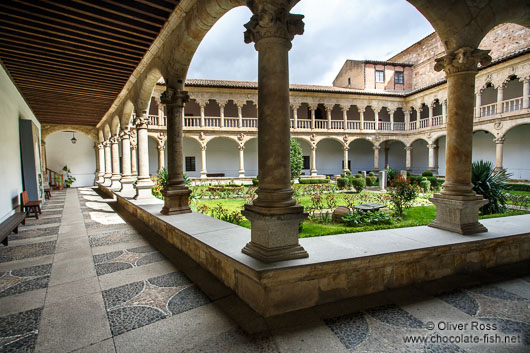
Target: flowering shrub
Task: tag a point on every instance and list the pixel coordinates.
(402, 194)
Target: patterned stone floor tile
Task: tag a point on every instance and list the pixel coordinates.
(26, 251)
(25, 279)
(34, 233)
(18, 332)
(144, 302)
(236, 341)
(124, 259)
(33, 221)
(114, 237)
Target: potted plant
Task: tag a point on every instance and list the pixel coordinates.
(69, 177)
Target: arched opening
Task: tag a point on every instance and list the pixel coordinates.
(251, 158)
(152, 145)
(222, 157)
(392, 155)
(513, 95)
(330, 157)
(79, 157)
(192, 160)
(488, 100)
(516, 146)
(420, 156)
(483, 146)
(306, 155)
(361, 154)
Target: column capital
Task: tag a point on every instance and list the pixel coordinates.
(114, 139)
(432, 146)
(271, 19)
(125, 134)
(106, 143)
(141, 121)
(499, 140)
(203, 147)
(461, 60)
(161, 147)
(133, 146)
(241, 147)
(174, 96)
(345, 148)
(99, 145)
(376, 147)
(408, 148)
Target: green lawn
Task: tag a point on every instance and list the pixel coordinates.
(526, 193)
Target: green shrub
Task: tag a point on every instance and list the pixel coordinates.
(313, 181)
(427, 173)
(402, 194)
(358, 175)
(425, 184)
(255, 182)
(357, 219)
(358, 184)
(490, 184)
(371, 180)
(435, 182)
(517, 187)
(297, 161)
(345, 174)
(371, 173)
(342, 182)
(390, 174)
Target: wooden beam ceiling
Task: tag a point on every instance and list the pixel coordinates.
(70, 59)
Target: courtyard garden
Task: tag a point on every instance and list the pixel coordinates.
(333, 206)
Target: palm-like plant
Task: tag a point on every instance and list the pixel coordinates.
(490, 183)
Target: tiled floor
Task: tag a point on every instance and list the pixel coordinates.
(88, 277)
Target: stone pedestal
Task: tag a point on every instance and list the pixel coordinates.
(176, 201)
(382, 180)
(274, 237)
(458, 216)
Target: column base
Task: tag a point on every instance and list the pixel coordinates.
(203, 175)
(107, 181)
(241, 174)
(457, 216)
(314, 173)
(100, 179)
(176, 201)
(144, 189)
(127, 185)
(274, 233)
(115, 183)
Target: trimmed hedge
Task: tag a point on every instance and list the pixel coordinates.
(435, 182)
(517, 187)
(358, 184)
(342, 182)
(255, 182)
(313, 181)
(427, 173)
(371, 180)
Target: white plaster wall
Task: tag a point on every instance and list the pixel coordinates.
(396, 156)
(80, 158)
(420, 157)
(329, 157)
(361, 155)
(191, 148)
(251, 158)
(12, 107)
(515, 155)
(483, 146)
(153, 156)
(306, 151)
(222, 156)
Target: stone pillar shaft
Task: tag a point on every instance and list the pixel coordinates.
(274, 215)
(361, 114)
(203, 162)
(101, 162)
(526, 93)
(328, 112)
(408, 158)
(176, 193)
(392, 120)
(499, 144)
(126, 177)
(143, 183)
(376, 114)
(345, 167)
(432, 150)
(376, 158)
(444, 112)
(134, 161)
(313, 170)
(345, 118)
(240, 115)
(202, 115)
(500, 98)
(407, 119)
(312, 117)
(161, 156)
(295, 117)
(108, 163)
(222, 113)
(478, 104)
(241, 161)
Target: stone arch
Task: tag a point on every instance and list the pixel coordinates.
(126, 113)
(49, 129)
(115, 125)
(484, 128)
(413, 139)
(107, 131)
(227, 137)
(329, 155)
(392, 154)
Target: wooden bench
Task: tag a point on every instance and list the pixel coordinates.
(30, 206)
(215, 175)
(11, 225)
(47, 193)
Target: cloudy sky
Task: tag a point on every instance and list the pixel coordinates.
(334, 32)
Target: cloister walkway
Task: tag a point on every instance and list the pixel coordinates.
(89, 277)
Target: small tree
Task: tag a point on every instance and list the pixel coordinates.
(297, 161)
(402, 194)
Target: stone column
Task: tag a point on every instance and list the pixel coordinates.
(376, 114)
(101, 163)
(126, 177)
(116, 176)
(526, 93)
(344, 117)
(346, 158)
(407, 119)
(328, 115)
(241, 148)
(444, 111)
(391, 113)
(108, 163)
(432, 151)
(240, 115)
(478, 103)
(313, 109)
(408, 158)
(274, 215)
(295, 116)
(376, 158)
(499, 144)
(203, 161)
(457, 204)
(222, 113)
(313, 170)
(176, 193)
(161, 157)
(143, 182)
(387, 148)
(361, 114)
(500, 98)
(134, 159)
(431, 113)
(202, 105)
